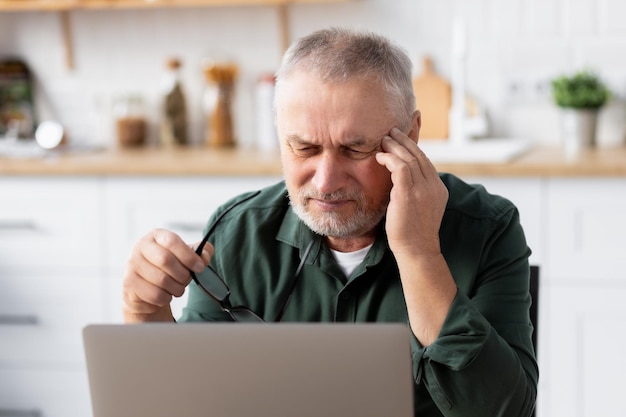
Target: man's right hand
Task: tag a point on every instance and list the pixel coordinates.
(157, 270)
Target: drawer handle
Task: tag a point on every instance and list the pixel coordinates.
(7, 412)
(18, 320)
(185, 226)
(18, 225)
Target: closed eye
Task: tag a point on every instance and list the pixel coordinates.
(303, 149)
(356, 150)
(360, 153)
(306, 151)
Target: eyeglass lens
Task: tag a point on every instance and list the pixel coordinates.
(213, 284)
(215, 287)
(245, 315)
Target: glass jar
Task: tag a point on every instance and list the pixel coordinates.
(130, 120)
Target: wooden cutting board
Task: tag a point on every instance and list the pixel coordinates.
(433, 97)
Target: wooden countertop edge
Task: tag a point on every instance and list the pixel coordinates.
(149, 162)
(537, 162)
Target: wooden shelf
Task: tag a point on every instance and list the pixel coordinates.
(59, 5)
(65, 6)
(36, 5)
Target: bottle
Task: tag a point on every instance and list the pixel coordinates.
(267, 139)
(173, 129)
(218, 102)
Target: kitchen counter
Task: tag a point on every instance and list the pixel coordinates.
(537, 162)
(80, 213)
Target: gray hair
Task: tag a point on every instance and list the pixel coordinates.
(337, 55)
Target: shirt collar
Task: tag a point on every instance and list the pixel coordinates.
(294, 232)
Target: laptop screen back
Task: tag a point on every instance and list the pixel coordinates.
(243, 370)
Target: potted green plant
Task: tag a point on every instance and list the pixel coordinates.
(580, 97)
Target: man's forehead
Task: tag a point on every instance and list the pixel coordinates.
(355, 115)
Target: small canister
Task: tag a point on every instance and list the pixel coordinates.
(130, 120)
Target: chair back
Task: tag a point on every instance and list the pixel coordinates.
(534, 295)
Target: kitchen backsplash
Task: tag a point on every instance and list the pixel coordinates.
(514, 48)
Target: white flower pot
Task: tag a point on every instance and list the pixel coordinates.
(579, 129)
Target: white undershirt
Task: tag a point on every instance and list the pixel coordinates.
(348, 261)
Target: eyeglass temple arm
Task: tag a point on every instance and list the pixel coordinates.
(211, 229)
(295, 279)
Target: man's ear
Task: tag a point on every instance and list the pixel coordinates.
(416, 123)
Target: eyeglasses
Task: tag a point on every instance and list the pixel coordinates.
(216, 288)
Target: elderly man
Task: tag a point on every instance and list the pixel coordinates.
(363, 229)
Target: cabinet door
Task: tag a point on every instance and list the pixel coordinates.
(583, 373)
(42, 316)
(44, 393)
(183, 205)
(50, 222)
(50, 266)
(586, 228)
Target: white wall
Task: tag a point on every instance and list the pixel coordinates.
(515, 47)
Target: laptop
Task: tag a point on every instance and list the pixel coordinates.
(245, 370)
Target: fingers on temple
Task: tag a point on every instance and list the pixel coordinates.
(405, 156)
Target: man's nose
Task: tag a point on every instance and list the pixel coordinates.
(329, 173)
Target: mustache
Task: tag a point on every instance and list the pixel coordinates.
(334, 196)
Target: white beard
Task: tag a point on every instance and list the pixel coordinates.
(332, 223)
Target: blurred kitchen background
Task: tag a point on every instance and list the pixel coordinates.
(514, 48)
(68, 220)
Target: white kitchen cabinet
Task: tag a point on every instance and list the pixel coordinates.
(50, 222)
(64, 243)
(582, 309)
(46, 392)
(586, 225)
(583, 371)
(51, 264)
(42, 315)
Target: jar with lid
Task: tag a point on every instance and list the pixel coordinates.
(130, 120)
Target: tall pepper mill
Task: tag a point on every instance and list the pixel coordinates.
(221, 79)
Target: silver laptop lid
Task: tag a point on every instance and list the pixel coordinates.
(244, 370)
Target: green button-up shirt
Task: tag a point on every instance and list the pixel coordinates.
(483, 362)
